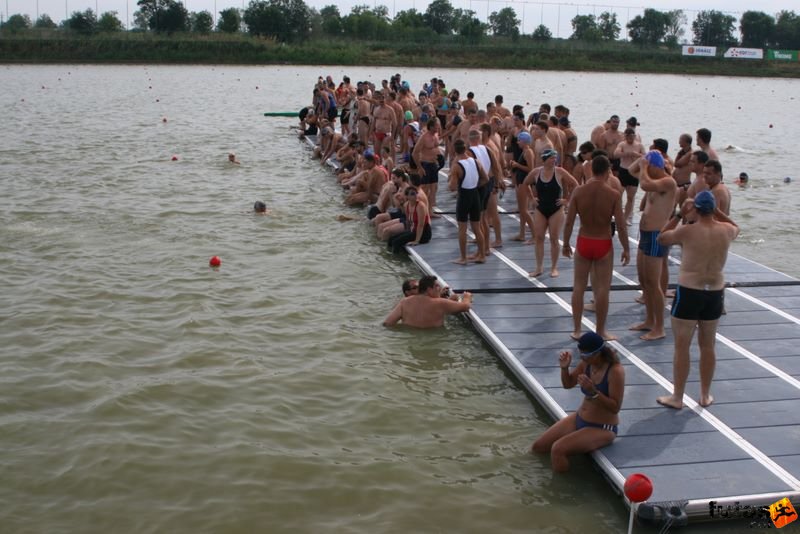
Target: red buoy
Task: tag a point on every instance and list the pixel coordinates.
(638, 487)
(174, 158)
(215, 261)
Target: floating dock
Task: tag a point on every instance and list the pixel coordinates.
(743, 451)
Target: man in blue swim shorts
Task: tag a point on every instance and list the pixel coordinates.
(660, 192)
(699, 297)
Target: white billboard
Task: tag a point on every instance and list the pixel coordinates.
(694, 50)
(745, 53)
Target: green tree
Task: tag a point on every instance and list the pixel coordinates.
(17, 23)
(230, 20)
(757, 29)
(787, 30)
(45, 22)
(713, 28)
(109, 23)
(649, 28)
(366, 23)
(202, 22)
(675, 26)
(440, 17)
(584, 28)
(287, 20)
(164, 15)
(331, 20)
(608, 26)
(83, 22)
(542, 33)
(505, 23)
(470, 27)
(410, 18)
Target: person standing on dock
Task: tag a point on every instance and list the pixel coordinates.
(699, 297)
(651, 261)
(597, 203)
(467, 178)
(601, 378)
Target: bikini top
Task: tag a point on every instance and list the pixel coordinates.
(602, 386)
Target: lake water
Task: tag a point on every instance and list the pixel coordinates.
(143, 391)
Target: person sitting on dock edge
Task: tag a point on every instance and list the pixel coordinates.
(601, 378)
(427, 308)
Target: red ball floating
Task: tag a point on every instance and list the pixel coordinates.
(638, 487)
(215, 261)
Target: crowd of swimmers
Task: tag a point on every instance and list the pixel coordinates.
(390, 144)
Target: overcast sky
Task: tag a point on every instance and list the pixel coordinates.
(552, 14)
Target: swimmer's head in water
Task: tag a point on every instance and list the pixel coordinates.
(231, 156)
(705, 202)
(259, 207)
(549, 153)
(655, 159)
(524, 137)
(590, 343)
(743, 177)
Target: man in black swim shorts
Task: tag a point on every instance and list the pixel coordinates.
(699, 297)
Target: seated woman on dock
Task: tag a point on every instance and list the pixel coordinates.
(602, 381)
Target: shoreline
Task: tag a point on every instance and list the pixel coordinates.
(555, 56)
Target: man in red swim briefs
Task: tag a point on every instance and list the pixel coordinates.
(596, 202)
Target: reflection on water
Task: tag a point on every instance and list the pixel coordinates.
(143, 391)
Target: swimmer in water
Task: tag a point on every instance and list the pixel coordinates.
(232, 159)
(260, 208)
(743, 180)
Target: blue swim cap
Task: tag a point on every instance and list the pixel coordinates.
(548, 153)
(590, 342)
(524, 137)
(705, 202)
(655, 159)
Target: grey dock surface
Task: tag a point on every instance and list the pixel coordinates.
(744, 449)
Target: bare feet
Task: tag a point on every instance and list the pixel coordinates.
(706, 400)
(670, 402)
(641, 326)
(460, 261)
(530, 242)
(652, 336)
(553, 273)
(589, 306)
(640, 299)
(534, 274)
(607, 336)
(497, 244)
(480, 259)
(518, 238)
(575, 335)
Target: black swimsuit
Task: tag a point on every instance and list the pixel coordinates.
(548, 194)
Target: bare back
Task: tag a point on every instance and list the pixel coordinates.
(595, 203)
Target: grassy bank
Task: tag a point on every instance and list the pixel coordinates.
(495, 53)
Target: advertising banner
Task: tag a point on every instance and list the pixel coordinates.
(784, 55)
(694, 50)
(745, 53)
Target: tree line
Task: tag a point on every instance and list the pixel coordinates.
(294, 21)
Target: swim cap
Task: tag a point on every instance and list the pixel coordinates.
(369, 155)
(705, 202)
(406, 85)
(655, 159)
(524, 137)
(259, 206)
(423, 118)
(743, 176)
(548, 153)
(589, 343)
(409, 116)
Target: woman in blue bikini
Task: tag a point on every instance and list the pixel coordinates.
(602, 381)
